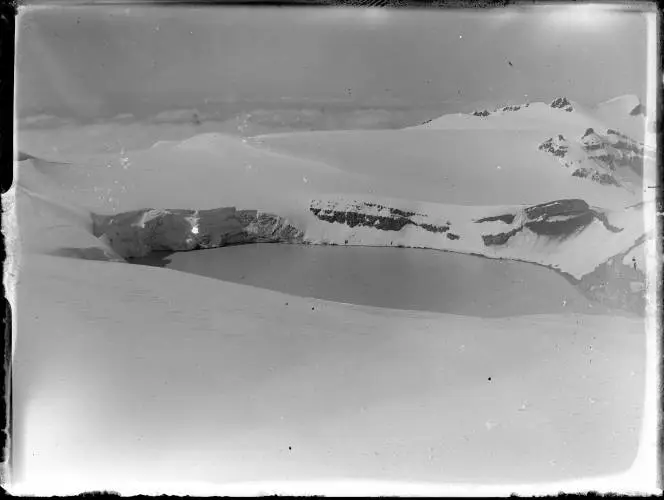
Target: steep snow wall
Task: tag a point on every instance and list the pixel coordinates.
(137, 233)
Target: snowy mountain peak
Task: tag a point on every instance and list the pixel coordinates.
(562, 103)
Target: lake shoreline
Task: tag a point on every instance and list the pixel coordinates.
(253, 265)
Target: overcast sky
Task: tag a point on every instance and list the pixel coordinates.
(92, 61)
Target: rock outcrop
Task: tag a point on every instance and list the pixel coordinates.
(625, 151)
(557, 219)
(562, 103)
(557, 146)
(598, 157)
(595, 175)
(137, 233)
(591, 140)
(514, 107)
(373, 215)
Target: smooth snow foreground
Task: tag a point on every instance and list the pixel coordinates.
(142, 374)
(132, 374)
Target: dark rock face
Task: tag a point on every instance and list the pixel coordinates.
(353, 219)
(433, 228)
(556, 219)
(607, 152)
(605, 160)
(137, 233)
(596, 176)
(500, 238)
(562, 103)
(558, 207)
(560, 228)
(391, 219)
(512, 108)
(555, 147)
(621, 141)
(506, 218)
(481, 113)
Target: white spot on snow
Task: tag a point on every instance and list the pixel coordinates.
(524, 406)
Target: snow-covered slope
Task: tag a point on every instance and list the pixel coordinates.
(261, 390)
(456, 175)
(284, 387)
(250, 177)
(464, 167)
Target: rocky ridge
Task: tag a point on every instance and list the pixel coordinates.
(376, 216)
(558, 219)
(598, 157)
(513, 107)
(140, 232)
(562, 103)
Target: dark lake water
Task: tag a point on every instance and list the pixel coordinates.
(399, 278)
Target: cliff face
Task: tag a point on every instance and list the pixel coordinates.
(557, 219)
(376, 216)
(137, 233)
(616, 283)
